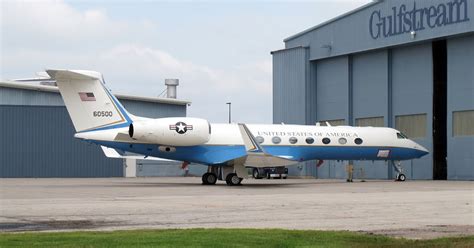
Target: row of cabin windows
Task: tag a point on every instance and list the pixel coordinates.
(309, 140)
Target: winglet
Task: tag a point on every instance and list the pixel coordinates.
(251, 144)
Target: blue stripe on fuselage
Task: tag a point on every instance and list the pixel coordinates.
(218, 154)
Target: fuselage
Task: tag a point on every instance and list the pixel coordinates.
(295, 142)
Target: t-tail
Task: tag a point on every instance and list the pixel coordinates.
(89, 102)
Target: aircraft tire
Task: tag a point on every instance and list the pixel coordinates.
(401, 177)
(232, 179)
(255, 174)
(209, 178)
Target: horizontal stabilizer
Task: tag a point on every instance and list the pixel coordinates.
(74, 74)
(112, 153)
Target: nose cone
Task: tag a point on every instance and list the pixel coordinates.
(422, 151)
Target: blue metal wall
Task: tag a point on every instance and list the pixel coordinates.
(36, 136)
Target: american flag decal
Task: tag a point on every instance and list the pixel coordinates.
(86, 96)
(181, 127)
(383, 154)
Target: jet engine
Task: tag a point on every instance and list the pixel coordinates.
(176, 131)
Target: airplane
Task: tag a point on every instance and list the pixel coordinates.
(227, 149)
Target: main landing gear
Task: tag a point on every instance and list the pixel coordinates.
(398, 167)
(228, 173)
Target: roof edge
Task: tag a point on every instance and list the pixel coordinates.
(54, 89)
(333, 20)
(291, 48)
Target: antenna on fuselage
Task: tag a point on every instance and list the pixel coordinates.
(328, 124)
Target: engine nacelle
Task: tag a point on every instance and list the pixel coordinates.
(176, 131)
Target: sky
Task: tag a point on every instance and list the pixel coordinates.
(219, 50)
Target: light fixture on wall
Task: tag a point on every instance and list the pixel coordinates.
(413, 34)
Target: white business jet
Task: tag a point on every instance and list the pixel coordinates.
(227, 149)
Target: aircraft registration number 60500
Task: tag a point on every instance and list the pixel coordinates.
(102, 113)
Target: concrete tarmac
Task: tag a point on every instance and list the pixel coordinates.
(412, 209)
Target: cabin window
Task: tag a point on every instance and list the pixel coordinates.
(260, 139)
(293, 140)
(276, 140)
(342, 141)
(326, 141)
(309, 140)
(401, 136)
(358, 141)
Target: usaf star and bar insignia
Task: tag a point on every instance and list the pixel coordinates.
(181, 127)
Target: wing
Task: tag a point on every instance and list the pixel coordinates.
(256, 154)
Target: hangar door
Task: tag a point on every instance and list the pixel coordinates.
(332, 104)
(370, 94)
(412, 96)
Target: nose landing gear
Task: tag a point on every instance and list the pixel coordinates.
(398, 167)
(401, 177)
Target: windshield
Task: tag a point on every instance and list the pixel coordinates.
(401, 136)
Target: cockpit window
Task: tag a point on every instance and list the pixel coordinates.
(401, 136)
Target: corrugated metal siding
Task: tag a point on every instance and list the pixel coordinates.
(11, 96)
(37, 141)
(289, 77)
(460, 97)
(153, 110)
(412, 94)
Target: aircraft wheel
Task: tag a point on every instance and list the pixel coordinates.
(209, 178)
(232, 179)
(255, 174)
(401, 178)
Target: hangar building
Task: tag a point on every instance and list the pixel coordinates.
(402, 64)
(36, 136)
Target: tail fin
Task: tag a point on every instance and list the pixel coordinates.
(90, 104)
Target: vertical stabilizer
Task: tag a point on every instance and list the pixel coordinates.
(90, 104)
